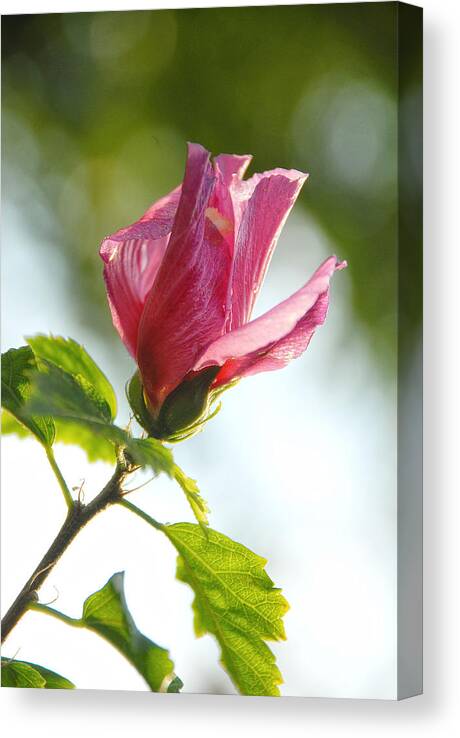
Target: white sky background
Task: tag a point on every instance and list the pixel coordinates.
(300, 466)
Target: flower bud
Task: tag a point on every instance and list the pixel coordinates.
(184, 410)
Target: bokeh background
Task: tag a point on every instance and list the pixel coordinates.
(300, 465)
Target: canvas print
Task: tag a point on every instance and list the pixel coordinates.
(211, 336)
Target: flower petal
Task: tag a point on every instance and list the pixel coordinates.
(132, 257)
(186, 309)
(264, 203)
(232, 164)
(278, 336)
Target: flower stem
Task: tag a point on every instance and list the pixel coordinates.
(58, 474)
(77, 517)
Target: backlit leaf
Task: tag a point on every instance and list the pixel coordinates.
(106, 613)
(57, 392)
(11, 426)
(24, 674)
(96, 445)
(18, 368)
(190, 488)
(74, 359)
(235, 601)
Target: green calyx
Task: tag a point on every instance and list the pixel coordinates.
(184, 411)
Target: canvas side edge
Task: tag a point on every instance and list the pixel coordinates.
(410, 353)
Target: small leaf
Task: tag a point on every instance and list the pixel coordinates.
(106, 613)
(18, 366)
(74, 359)
(235, 601)
(197, 503)
(151, 452)
(24, 674)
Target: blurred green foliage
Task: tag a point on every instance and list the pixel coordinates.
(97, 107)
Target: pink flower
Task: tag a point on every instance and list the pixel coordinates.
(183, 279)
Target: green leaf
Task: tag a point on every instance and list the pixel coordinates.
(196, 501)
(36, 403)
(106, 613)
(74, 359)
(235, 601)
(53, 680)
(20, 674)
(56, 392)
(82, 418)
(18, 367)
(96, 446)
(71, 388)
(151, 452)
(175, 686)
(11, 426)
(69, 422)
(24, 674)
